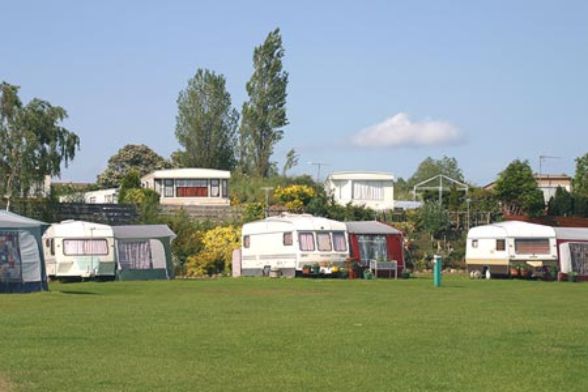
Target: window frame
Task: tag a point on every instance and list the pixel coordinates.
(342, 234)
(475, 243)
(323, 234)
(286, 235)
(502, 247)
(104, 240)
(247, 241)
(300, 242)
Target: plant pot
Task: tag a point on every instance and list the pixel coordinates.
(525, 274)
(515, 273)
(306, 271)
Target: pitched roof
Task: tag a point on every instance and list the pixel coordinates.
(370, 227)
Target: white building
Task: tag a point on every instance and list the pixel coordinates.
(370, 189)
(189, 186)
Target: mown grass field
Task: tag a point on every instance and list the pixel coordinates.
(297, 335)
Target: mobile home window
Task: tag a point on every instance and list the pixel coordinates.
(214, 188)
(225, 188)
(324, 242)
(168, 188)
(339, 242)
(192, 188)
(533, 246)
(97, 247)
(500, 245)
(474, 243)
(52, 246)
(306, 241)
(287, 240)
(246, 241)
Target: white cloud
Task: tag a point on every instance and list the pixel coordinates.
(400, 131)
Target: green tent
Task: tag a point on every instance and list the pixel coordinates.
(143, 252)
(22, 267)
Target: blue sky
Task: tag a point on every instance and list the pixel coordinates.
(484, 81)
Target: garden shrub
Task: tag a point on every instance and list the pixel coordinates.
(217, 251)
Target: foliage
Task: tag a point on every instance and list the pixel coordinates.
(138, 157)
(562, 204)
(252, 212)
(217, 252)
(71, 192)
(264, 114)
(517, 189)
(291, 161)
(431, 167)
(147, 202)
(581, 177)
(434, 219)
(131, 180)
(206, 124)
(294, 197)
(33, 144)
(188, 239)
(248, 189)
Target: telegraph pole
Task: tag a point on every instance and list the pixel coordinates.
(318, 168)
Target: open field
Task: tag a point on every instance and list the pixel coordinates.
(261, 334)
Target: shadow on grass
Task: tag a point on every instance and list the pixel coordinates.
(77, 292)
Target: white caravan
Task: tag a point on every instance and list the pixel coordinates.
(290, 241)
(498, 245)
(78, 249)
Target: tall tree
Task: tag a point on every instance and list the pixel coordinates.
(291, 161)
(33, 144)
(517, 189)
(581, 177)
(431, 167)
(264, 114)
(137, 157)
(206, 124)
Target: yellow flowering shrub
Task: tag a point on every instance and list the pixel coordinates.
(217, 251)
(294, 197)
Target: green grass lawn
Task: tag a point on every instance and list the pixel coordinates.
(302, 334)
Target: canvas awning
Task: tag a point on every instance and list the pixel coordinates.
(370, 227)
(143, 232)
(11, 220)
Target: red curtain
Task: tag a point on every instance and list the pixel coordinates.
(187, 191)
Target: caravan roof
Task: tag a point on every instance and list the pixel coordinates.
(143, 231)
(74, 228)
(511, 229)
(370, 227)
(571, 233)
(293, 222)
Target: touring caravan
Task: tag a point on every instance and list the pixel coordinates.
(290, 241)
(498, 245)
(78, 249)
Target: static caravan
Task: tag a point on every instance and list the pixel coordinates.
(572, 246)
(22, 268)
(498, 245)
(375, 241)
(290, 241)
(78, 249)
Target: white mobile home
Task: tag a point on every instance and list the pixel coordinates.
(371, 189)
(498, 245)
(290, 241)
(190, 186)
(78, 249)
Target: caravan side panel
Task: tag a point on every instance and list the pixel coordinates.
(267, 249)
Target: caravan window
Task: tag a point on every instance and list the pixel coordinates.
(98, 247)
(306, 241)
(500, 245)
(474, 243)
(339, 242)
(287, 239)
(246, 241)
(324, 242)
(533, 246)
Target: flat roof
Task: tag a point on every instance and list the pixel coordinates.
(361, 175)
(370, 227)
(188, 173)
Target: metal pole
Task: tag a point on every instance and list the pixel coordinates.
(468, 201)
(267, 189)
(440, 190)
(437, 264)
